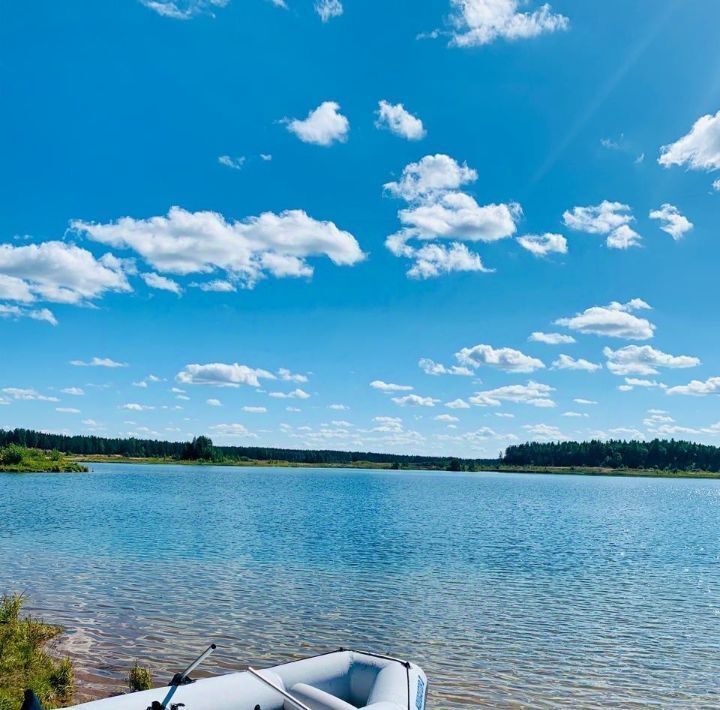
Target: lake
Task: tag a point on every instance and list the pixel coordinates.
(510, 590)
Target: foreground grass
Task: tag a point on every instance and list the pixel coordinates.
(24, 662)
(20, 460)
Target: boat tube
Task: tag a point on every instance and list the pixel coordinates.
(340, 680)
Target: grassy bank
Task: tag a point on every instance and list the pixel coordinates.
(24, 662)
(21, 460)
(601, 471)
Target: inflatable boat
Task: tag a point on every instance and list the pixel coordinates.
(340, 680)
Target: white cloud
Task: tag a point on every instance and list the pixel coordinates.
(565, 362)
(324, 125)
(233, 163)
(327, 9)
(292, 409)
(505, 359)
(232, 430)
(213, 402)
(615, 320)
(59, 273)
(184, 9)
(255, 410)
(287, 376)
(415, 400)
(27, 394)
(430, 367)
(266, 157)
(716, 185)
(434, 260)
(135, 407)
(458, 215)
(397, 120)
(544, 244)
(438, 210)
(15, 312)
(221, 374)
(248, 250)
(580, 400)
(457, 404)
(699, 149)
(551, 338)
(479, 22)
(75, 391)
(611, 219)
(632, 382)
(698, 388)
(67, 410)
(98, 362)
(161, 283)
(295, 394)
(218, 286)
(575, 415)
(545, 432)
(533, 393)
(644, 360)
(339, 407)
(389, 386)
(431, 175)
(448, 418)
(674, 223)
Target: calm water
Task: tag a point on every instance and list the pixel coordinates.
(509, 590)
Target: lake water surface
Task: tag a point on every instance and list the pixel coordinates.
(509, 590)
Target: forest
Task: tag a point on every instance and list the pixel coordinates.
(202, 448)
(661, 454)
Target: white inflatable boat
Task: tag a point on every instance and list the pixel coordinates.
(341, 680)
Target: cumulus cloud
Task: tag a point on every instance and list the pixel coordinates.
(161, 283)
(544, 244)
(580, 400)
(294, 394)
(213, 402)
(58, 272)
(551, 338)
(98, 362)
(438, 210)
(545, 432)
(287, 376)
(565, 362)
(396, 119)
(135, 407)
(632, 382)
(218, 374)
(699, 149)
(248, 250)
(644, 360)
(674, 223)
(184, 9)
(615, 320)
(327, 9)
(611, 219)
(698, 388)
(457, 404)
(338, 407)
(74, 391)
(505, 359)
(67, 410)
(255, 410)
(389, 386)
(430, 367)
(415, 401)
(532, 393)
(232, 431)
(448, 418)
(324, 125)
(479, 22)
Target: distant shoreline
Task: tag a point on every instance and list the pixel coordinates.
(499, 468)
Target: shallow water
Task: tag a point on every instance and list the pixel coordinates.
(509, 590)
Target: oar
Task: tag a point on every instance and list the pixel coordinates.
(278, 689)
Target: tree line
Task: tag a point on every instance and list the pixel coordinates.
(202, 448)
(661, 454)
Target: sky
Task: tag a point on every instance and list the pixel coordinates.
(437, 227)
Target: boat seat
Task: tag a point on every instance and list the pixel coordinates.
(316, 699)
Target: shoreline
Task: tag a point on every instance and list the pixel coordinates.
(499, 468)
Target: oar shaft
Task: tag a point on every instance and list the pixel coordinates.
(278, 689)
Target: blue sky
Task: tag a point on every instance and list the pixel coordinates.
(232, 217)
